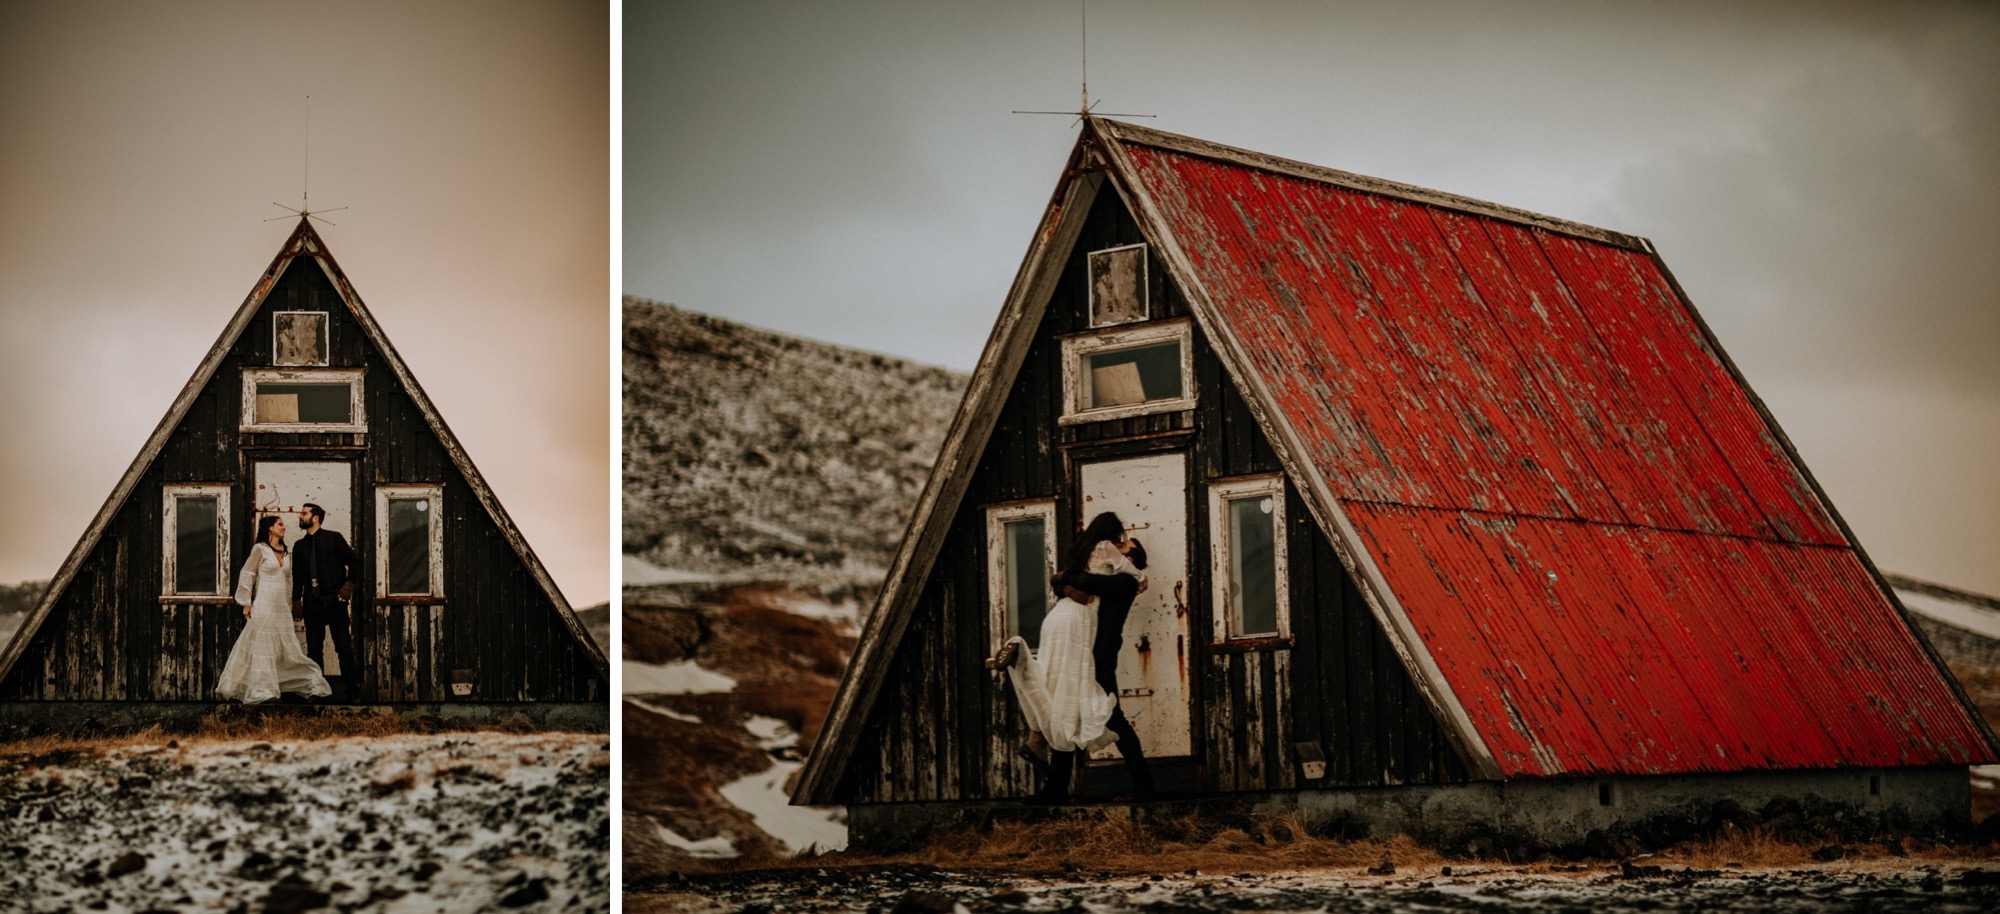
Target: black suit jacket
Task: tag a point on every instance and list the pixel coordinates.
(1114, 593)
(326, 557)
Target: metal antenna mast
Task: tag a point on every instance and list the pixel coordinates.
(305, 210)
(1084, 106)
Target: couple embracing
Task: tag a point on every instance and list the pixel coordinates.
(1068, 689)
(275, 584)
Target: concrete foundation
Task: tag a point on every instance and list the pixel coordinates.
(1600, 816)
(36, 718)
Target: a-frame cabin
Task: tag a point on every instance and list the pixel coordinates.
(1450, 506)
(303, 399)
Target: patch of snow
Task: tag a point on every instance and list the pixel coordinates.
(716, 848)
(635, 570)
(681, 677)
(846, 614)
(763, 796)
(663, 711)
(770, 529)
(1986, 777)
(1976, 619)
(771, 733)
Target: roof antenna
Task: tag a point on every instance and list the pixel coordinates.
(305, 210)
(1084, 107)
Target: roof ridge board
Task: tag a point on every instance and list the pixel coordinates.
(1314, 490)
(1235, 155)
(460, 459)
(971, 428)
(150, 451)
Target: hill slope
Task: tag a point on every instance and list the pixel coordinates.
(748, 452)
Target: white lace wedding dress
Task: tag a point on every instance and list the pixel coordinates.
(267, 659)
(1057, 684)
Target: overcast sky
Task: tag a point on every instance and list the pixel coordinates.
(1823, 179)
(143, 144)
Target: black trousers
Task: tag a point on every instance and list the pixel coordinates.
(324, 615)
(1062, 765)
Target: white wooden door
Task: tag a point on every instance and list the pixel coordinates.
(284, 486)
(1150, 495)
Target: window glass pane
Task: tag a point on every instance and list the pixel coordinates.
(194, 545)
(410, 545)
(1253, 572)
(1133, 375)
(1028, 595)
(316, 403)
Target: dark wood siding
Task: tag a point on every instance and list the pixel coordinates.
(111, 637)
(941, 729)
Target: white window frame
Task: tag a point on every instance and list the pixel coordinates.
(431, 492)
(1145, 286)
(326, 327)
(352, 377)
(1077, 347)
(997, 519)
(1220, 494)
(225, 581)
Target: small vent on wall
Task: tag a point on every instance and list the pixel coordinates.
(1604, 793)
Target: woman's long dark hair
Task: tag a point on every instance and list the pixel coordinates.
(1105, 527)
(264, 531)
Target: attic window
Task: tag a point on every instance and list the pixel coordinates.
(194, 537)
(1020, 554)
(299, 338)
(1112, 374)
(302, 400)
(1246, 524)
(1118, 289)
(409, 541)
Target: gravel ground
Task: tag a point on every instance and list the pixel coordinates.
(1871, 888)
(446, 822)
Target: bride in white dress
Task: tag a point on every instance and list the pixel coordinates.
(267, 660)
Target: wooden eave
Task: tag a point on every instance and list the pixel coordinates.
(971, 427)
(303, 241)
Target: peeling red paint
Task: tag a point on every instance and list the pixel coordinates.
(1607, 551)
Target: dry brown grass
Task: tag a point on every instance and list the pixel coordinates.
(1111, 842)
(1742, 847)
(251, 727)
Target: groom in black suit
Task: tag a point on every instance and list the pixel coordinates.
(324, 569)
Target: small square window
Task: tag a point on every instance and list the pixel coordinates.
(1021, 552)
(299, 338)
(1118, 290)
(409, 541)
(302, 400)
(1116, 373)
(1247, 532)
(195, 541)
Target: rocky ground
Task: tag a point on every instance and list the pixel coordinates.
(470, 821)
(1865, 889)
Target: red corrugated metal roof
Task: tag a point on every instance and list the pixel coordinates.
(1611, 559)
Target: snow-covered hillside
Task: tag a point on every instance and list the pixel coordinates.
(751, 455)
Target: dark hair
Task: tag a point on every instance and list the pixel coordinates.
(319, 513)
(264, 529)
(1105, 527)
